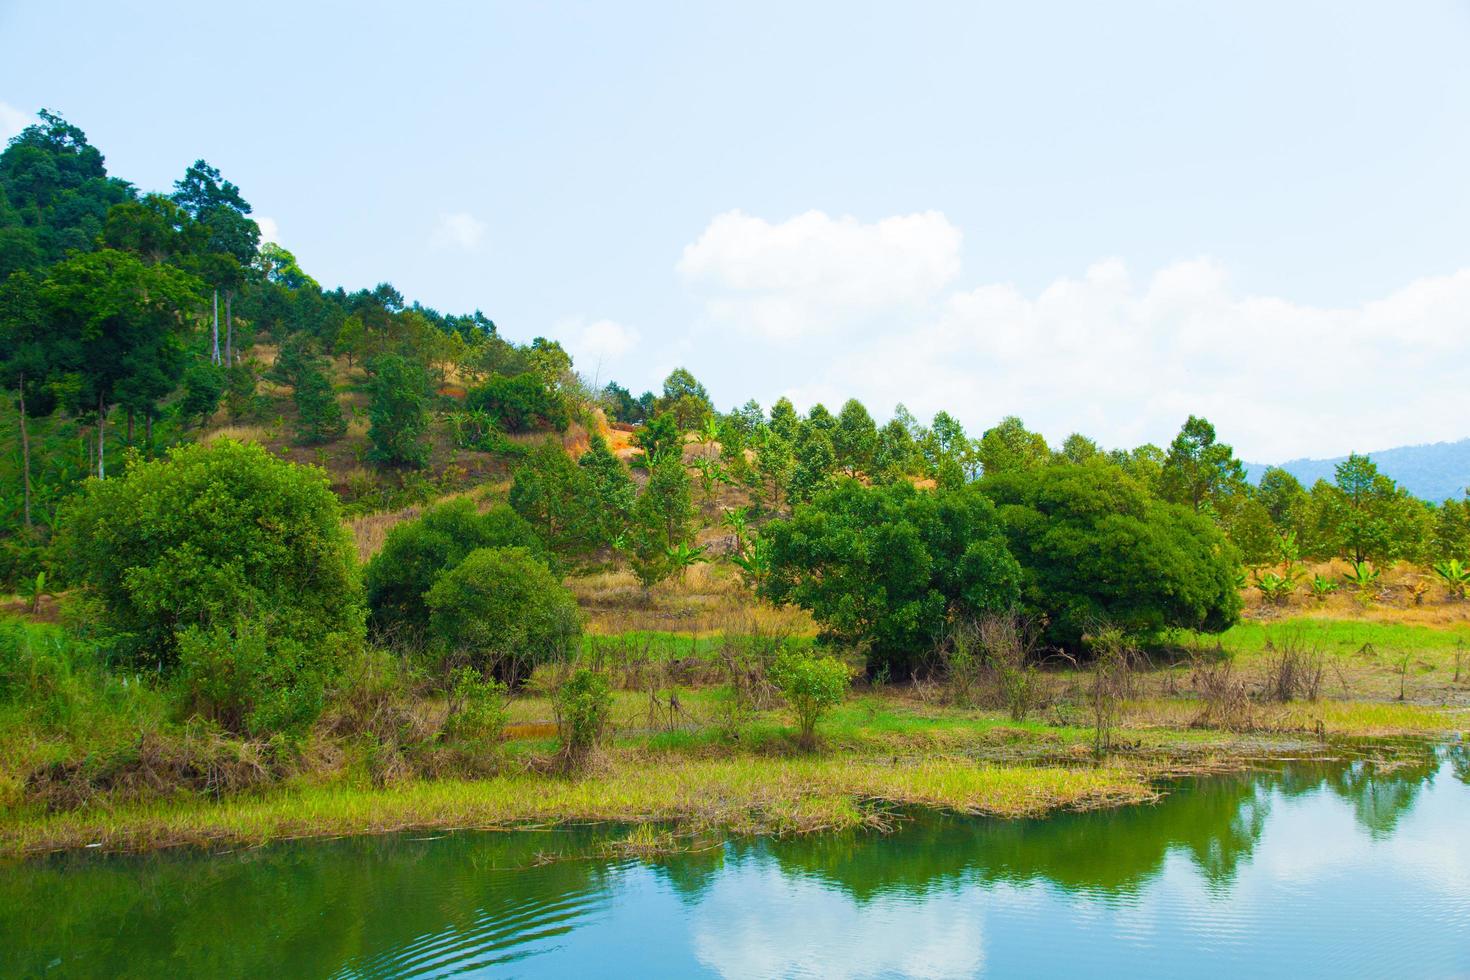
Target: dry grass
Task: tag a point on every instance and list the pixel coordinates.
(238, 433)
(706, 600)
(369, 531)
(1406, 594)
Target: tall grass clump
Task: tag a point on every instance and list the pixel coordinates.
(583, 705)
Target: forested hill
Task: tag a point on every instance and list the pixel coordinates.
(1436, 471)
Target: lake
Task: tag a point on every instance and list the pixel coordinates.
(1305, 869)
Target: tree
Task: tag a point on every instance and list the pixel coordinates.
(897, 455)
(232, 243)
(812, 686)
(784, 420)
(660, 437)
(815, 462)
(775, 463)
(608, 493)
(1282, 496)
(220, 539)
(1077, 448)
(1098, 549)
(883, 569)
(685, 398)
(1198, 471)
(318, 416)
(548, 492)
(855, 438)
(399, 391)
(26, 362)
(501, 610)
(520, 403)
(204, 384)
(117, 326)
(661, 520)
(1365, 516)
(1010, 446)
(417, 552)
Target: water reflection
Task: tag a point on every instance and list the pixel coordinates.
(1313, 868)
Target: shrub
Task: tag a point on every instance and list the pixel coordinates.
(1096, 547)
(399, 394)
(1455, 575)
(250, 680)
(1111, 682)
(319, 417)
(519, 403)
(417, 552)
(583, 704)
(502, 610)
(204, 385)
(811, 686)
(208, 538)
(885, 568)
(477, 708)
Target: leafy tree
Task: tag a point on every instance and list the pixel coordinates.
(1248, 524)
(884, 569)
(204, 385)
(784, 420)
(812, 686)
(1077, 448)
(660, 437)
(775, 463)
(520, 403)
(27, 361)
(116, 326)
(897, 455)
(661, 520)
(1283, 497)
(820, 419)
(318, 416)
(815, 462)
(548, 491)
(399, 392)
(608, 493)
(222, 539)
(1368, 517)
(1097, 549)
(1198, 471)
(1010, 446)
(501, 610)
(622, 406)
(233, 239)
(685, 398)
(417, 552)
(855, 438)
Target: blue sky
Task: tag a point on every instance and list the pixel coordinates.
(1097, 217)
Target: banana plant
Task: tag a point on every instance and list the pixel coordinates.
(32, 591)
(1455, 575)
(683, 557)
(1322, 587)
(738, 521)
(711, 474)
(1363, 576)
(1275, 588)
(754, 562)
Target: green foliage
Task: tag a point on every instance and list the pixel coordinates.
(501, 610)
(660, 437)
(417, 552)
(548, 491)
(1455, 575)
(250, 681)
(520, 403)
(477, 708)
(399, 392)
(1199, 471)
(204, 385)
(1096, 547)
(1362, 576)
(855, 438)
(661, 521)
(1322, 587)
(583, 704)
(1274, 588)
(608, 494)
(815, 462)
(811, 685)
(319, 417)
(1009, 446)
(884, 568)
(211, 538)
(685, 399)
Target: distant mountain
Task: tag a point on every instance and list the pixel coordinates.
(1436, 471)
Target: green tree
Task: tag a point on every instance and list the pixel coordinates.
(1010, 446)
(662, 518)
(318, 416)
(784, 420)
(520, 403)
(660, 437)
(686, 399)
(221, 539)
(27, 359)
(204, 385)
(1097, 548)
(501, 610)
(548, 491)
(608, 492)
(855, 438)
(1283, 497)
(1198, 471)
(775, 464)
(883, 569)
(417, 552)
(815, 462)
(399, 392)
(812, 686)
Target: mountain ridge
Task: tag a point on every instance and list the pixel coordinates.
(1434, 471)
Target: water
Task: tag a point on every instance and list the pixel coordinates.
(1309, 870)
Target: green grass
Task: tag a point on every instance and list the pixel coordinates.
(1344, 637)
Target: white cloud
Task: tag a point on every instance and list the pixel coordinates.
(460, 229)
(814, 273)
(12, 121)
(595, 345)
(1121, 358)
(269, 230)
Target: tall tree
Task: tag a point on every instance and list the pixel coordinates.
(855, 439)
(399, 394)
(1198, 470)
(233, 239)
(25, 361)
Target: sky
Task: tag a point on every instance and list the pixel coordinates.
(1099, 217)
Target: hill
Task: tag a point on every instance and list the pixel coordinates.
(1435, 471)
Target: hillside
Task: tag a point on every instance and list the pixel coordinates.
(1435, 471)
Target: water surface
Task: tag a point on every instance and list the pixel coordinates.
(1306, 870)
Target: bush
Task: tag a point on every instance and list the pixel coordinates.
(417, 552)
(1096, 547)
(399, 394)
(519, 403)
(583, 704)
(886, 568)
(249, 680)
(204, 385)
(501, 610)
(811, 686)
(477, 708)
(210, 537)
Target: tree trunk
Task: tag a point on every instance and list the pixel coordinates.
(101, 439)
(229, 330)
(215, 355)
(130, 426)
(148, 432)
(25, 449)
